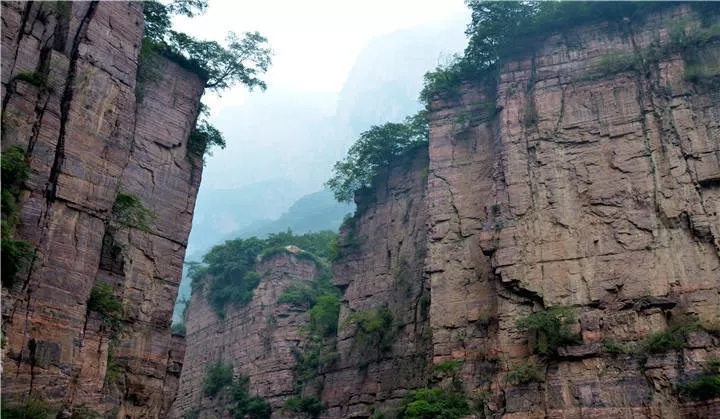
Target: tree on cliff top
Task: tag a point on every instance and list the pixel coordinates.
(376, 148)
(499, 29)
(241, 60)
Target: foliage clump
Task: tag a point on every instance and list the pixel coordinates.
(309, 407)
(36, 79)
(241, 60)
(552, 328)
(219, 379)
(229, 268)
(33, 409)
(17, 255)
(706, 386)
(376, 148)
(436, 402)
(129, 212)
(525, 373)
(374, 332)
(499, 30)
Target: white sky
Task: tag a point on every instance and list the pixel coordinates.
(315, 42)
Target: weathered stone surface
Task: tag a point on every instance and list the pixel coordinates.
(258, 340)
(87, 139)
(381, 265)
(585, 192)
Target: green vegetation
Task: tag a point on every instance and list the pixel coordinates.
(114, 371)
(552, 328)
(614, 348)
(36, 79)
(376, 148)
(240, 60)
(33, 409)
(706, 386)
(449, 367)
(374, 332)
(501, 30)
(178, 329)
(309, 407)
(619, 62)
(229, 268)
(129, 212)
(17, 255)
(219, 379)
(437, 402)
(525, 373)
(103, 300)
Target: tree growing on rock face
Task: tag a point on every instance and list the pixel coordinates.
(241, 60)
(377, 147)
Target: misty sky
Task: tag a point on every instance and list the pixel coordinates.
(315, 42)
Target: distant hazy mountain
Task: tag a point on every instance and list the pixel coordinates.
(282, 145)
(219, 212)
(388, 75)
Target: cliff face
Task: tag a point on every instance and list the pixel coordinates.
(382, 267)
(69, 100)
(576, 184)
(590, 188)
(257, 340)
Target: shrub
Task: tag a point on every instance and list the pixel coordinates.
(324, 315)
(36, 79)
(525, 373)
(615, 348)
(615, 62)
(245, 406)
(33, 409)
(129, 212)
(552, 327)
(218, 377)
(103, 300)
(450, 366)
(434, 402)
(704, 387)
(309, 406)
(376, 148)
(373, 331)
(17, 255)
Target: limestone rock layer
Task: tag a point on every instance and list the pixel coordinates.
(91, 132)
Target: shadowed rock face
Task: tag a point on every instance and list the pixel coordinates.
(88, 137)
(258, 339)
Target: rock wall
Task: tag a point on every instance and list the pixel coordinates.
(588, 188)
(381, 265)
(88, 138)
(258, 340)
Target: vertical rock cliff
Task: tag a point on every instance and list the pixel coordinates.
(258, 340)
(381, 270)
(588, 186)
(69, 102)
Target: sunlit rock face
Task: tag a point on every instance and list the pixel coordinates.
(587, 188)
(259, 340)
(91, 131)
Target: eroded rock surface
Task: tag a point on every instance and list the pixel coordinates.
(88, 138)
(258, 340)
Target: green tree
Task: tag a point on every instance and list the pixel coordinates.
(376, 148)
(241, 60)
